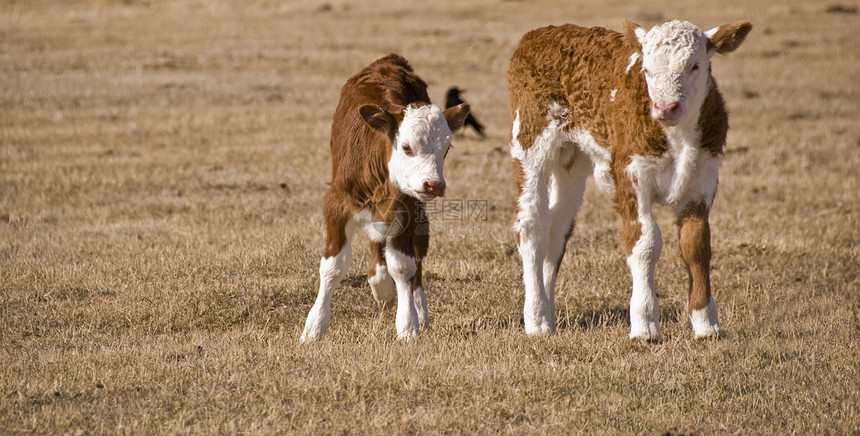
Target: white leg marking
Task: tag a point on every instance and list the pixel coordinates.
(332, 271)
(402, 268)
(382, 286)
(421, 307)
(704, 321)
(644, 308)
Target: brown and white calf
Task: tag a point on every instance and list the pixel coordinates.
(641, 111)
(388, 145)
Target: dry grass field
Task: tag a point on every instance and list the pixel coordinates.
(162, 165)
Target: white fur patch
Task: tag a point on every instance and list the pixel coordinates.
(640, 34)
(516, 150)
(682, 175)
(633, 58)
(377, 231)
(425, 131)
(710, 33)
(557, 113)
(703, 187)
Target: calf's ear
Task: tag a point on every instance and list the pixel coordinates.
(633, 33)
(728, 37)
(456, 115)
(379, 118)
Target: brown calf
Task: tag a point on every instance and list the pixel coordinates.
(388, 145)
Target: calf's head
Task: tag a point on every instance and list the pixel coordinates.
(676, 61)
(420, 139)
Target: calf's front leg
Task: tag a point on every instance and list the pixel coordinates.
(400, 257)
(695, 241)
(643, 243)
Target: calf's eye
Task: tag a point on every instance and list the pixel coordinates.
(407, 149)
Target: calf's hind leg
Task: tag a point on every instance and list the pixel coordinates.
(567, 185)
(381, 284)
(333, 267)
(532, 227)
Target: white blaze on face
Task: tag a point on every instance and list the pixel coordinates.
(420, 146)
(676, 65)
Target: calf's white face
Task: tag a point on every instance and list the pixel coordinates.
(420, 142)
(420, 147)
(676, 60)
(676, 66)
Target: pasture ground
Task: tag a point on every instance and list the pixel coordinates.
(162, 166)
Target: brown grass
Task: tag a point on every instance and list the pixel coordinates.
(161, 171)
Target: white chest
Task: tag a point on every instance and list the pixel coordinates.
(682, 175)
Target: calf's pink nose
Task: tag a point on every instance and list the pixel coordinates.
(669, 110)
(435, 187)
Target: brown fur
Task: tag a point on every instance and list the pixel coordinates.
(729, 37)
(577, 68)
(714, 121)
(695, 241)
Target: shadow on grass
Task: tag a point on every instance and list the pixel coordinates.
(603, 318)
(600, 318)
